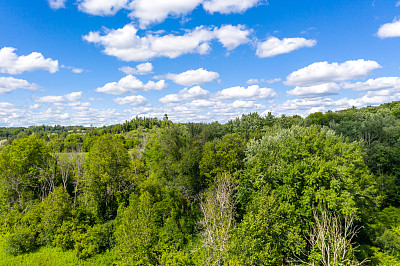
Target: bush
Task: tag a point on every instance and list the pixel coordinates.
(20, 243)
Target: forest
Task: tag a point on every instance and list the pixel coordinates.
(257, 190)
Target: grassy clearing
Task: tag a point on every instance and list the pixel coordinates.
(52, 256)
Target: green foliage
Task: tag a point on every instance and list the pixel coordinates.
(268, 233)
(96, 240)
(21, 167)
(222, 156)
(142, 207)
(136, 233)
(20, 242)
(107, 178)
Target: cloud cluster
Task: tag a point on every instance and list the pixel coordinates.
(315, 91)
(8, 84)
(389, 30)
(156, 11)
(141, 69)
(134, 100)
(131, 84)
(324, 72)
(192, 77)
(274, 46)
(374, 84)
(184, 95)
(71, 97)
(125, 44)
(11, 63)
(253, 92)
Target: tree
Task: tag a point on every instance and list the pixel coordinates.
(136, 233)
(305, 167)
(218, 209)
(331, 240)
(107, 178)
(222, 156)
(22, 165)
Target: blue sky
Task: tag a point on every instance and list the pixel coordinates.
(100, 62)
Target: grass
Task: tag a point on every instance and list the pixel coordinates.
(52, 256)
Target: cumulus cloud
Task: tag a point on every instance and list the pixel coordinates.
(11, 63)
(274, 46)
(125, 43)
(156, 11)
(323, 72)
(131, 84)
(132, 100)
(253, 92)
(57, 4)
(184, 95)
(315, 91)
(192, 77)
(389, 30)
(141, 69)
(71, 97)
(232, 36)
(230, 6)
(374, 84)
(8, 84)
(102, 7)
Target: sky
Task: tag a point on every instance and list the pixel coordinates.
(102, 62)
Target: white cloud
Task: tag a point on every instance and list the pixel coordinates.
(132, 100)
(243, 104)
(156, 11)
(323, 72)
(74, 69)
(11, 63)
(232, 36)
(375, 98)
(127, 45)
(8, 84)
(184, 95)
(57, 4)
(398, 3)
(230, 6)
(389, 30)
(141, 69)
(257, 81)
(253, 92)
(192, 77)
(374, 84)
(71, 97)
(274, 46)
(315, 91)
(102, 7)
(131, 84)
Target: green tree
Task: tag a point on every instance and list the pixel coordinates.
(22, 167)
(107, 177)
(305, 167)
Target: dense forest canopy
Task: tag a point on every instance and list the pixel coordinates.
(320, 190)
